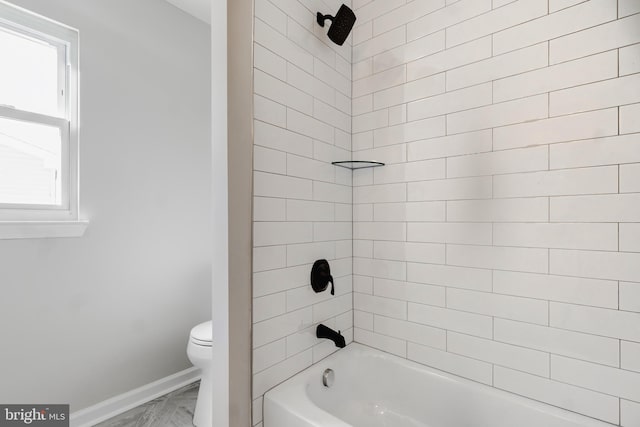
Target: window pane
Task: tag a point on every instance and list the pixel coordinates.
(29, 74)
(30, 163)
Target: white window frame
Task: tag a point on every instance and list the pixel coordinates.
(24, 221)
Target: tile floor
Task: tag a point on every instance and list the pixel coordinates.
(172, 410)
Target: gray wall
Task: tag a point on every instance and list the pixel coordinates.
(85, 319)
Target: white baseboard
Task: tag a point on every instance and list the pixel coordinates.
(118, 404)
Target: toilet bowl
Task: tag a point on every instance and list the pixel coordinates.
(200, 354)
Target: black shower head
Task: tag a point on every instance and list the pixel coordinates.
(341, 24)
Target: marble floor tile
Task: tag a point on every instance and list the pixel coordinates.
(172, 410)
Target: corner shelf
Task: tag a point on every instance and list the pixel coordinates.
(357, 164)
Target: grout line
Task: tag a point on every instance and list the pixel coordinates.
(549, 53)
(549, 209)
(445, 92)
(504, 53)
(292, 41)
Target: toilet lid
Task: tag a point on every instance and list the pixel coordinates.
(202, 334)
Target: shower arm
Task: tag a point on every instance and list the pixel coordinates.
(321, 18)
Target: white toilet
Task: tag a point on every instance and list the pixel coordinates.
(199, 353)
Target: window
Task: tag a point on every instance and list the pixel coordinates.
(38, 118)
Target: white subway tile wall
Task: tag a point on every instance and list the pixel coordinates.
(302, 204)
(501, 242)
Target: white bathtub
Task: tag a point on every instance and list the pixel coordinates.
(376, 389)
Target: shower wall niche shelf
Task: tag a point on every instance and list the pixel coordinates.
(357, 164)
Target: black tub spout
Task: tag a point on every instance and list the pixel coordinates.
(326, 332)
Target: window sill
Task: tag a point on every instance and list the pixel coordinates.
(41, 229)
